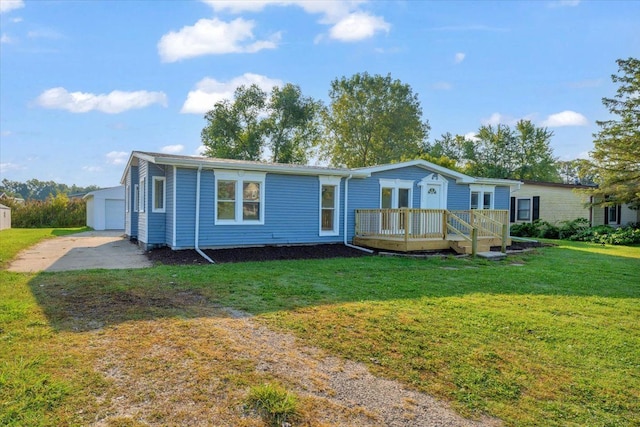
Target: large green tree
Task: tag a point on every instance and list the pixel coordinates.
(234, 129)
(372, 120)
(282, 126)
(292, 127)
(616, 154)
(523, 152)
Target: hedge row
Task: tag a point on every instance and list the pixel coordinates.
(579, 230)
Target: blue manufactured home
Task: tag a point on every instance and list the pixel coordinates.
(187, 202)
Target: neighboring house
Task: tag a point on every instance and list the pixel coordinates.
(198, 202)
(554, 203)
(5, 217)
(549, 201)
(105, 208)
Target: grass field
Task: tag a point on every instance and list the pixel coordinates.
(549, 338)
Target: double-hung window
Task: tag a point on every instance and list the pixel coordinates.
(523, 210)
(239, 197)
(158, 194)
(482, 196)
(329, 205)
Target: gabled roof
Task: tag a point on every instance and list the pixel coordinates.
(215, 163)
(459, 177)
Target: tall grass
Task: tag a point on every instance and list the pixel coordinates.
(58, 211)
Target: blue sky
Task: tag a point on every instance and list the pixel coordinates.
(83, 83)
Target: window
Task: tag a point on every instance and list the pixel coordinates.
(329, 206)
(239, 197)
(158, 195)
(142, 195)
(127, 198)
(612, 215)
(395, 193)
(136, 197)
(482, 196)
(523, 211)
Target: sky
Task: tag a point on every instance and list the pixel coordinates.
(84, 83)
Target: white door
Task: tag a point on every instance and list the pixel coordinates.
(432, 197)
(114, 214)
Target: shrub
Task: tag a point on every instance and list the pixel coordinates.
(275, 404)
(58, 211)
(578, 229)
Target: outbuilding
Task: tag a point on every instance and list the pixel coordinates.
(5, 217)
(105, 208)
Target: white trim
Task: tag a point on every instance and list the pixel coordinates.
(163, 209)
(239, 177)
(481, 189)
(174, 207)
(395, 185)
(330, 181)
(127, 198)
(136, 197)
(530, 199)
(460, 177)
(434, 179)
(143, 192)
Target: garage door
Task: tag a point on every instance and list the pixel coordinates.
(114, 214)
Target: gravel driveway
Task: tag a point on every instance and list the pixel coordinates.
(91, 249)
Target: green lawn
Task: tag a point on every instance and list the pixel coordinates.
(549, 338)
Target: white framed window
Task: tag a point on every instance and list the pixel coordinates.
(523, 210)
(127, 198)
(329, 205)
(136, 197)
(395, 193)
(612, 215)
(158, 194)
(239, 198)
(142, 197)
(482, 196)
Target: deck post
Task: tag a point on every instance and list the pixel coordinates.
(445, 221)
(474, 241)
(406, 225)
(505, 228)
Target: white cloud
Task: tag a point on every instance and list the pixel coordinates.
(358, 26)
(200, 150)
(565, 118)
(9, 167)
(172, 149)
(9, 5)
(5, 39)
(442, 86)
(209, 91)
(212, 36)
(471, 136)
(459, 57)
(348, 22)
(117, 157)
(115, 102)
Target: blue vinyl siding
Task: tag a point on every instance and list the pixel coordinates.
(156, 221)
(131, 218)
(185, 207)
(170, 183)
(142, 216)
(458, 197)
(501, 198)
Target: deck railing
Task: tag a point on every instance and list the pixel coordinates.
(406, 223)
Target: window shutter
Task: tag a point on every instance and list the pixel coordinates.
(606, 216)
(536, 208)
(512, 213)
(619, 216)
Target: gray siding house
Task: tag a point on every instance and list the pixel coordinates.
(187, 202)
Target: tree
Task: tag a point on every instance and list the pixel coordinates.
(234, 130)
(616, 154)
(520, 153)
(578, 171)
(292, 127)
(372, 120)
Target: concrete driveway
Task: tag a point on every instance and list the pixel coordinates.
(91, 249)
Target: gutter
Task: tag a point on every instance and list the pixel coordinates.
(346, 199)
(197, 230)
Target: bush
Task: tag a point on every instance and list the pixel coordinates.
(58, 211)
(579, 229)
(604, 234)
(275, 404)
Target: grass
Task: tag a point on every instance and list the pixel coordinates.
(548, 338)
(274, 403)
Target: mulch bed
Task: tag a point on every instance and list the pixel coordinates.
(264, 253)
(275, 253)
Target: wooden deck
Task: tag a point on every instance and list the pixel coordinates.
(409, 230)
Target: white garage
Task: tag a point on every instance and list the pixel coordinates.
(105, 208)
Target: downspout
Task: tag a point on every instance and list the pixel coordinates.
(346, 199)
(197, 231)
